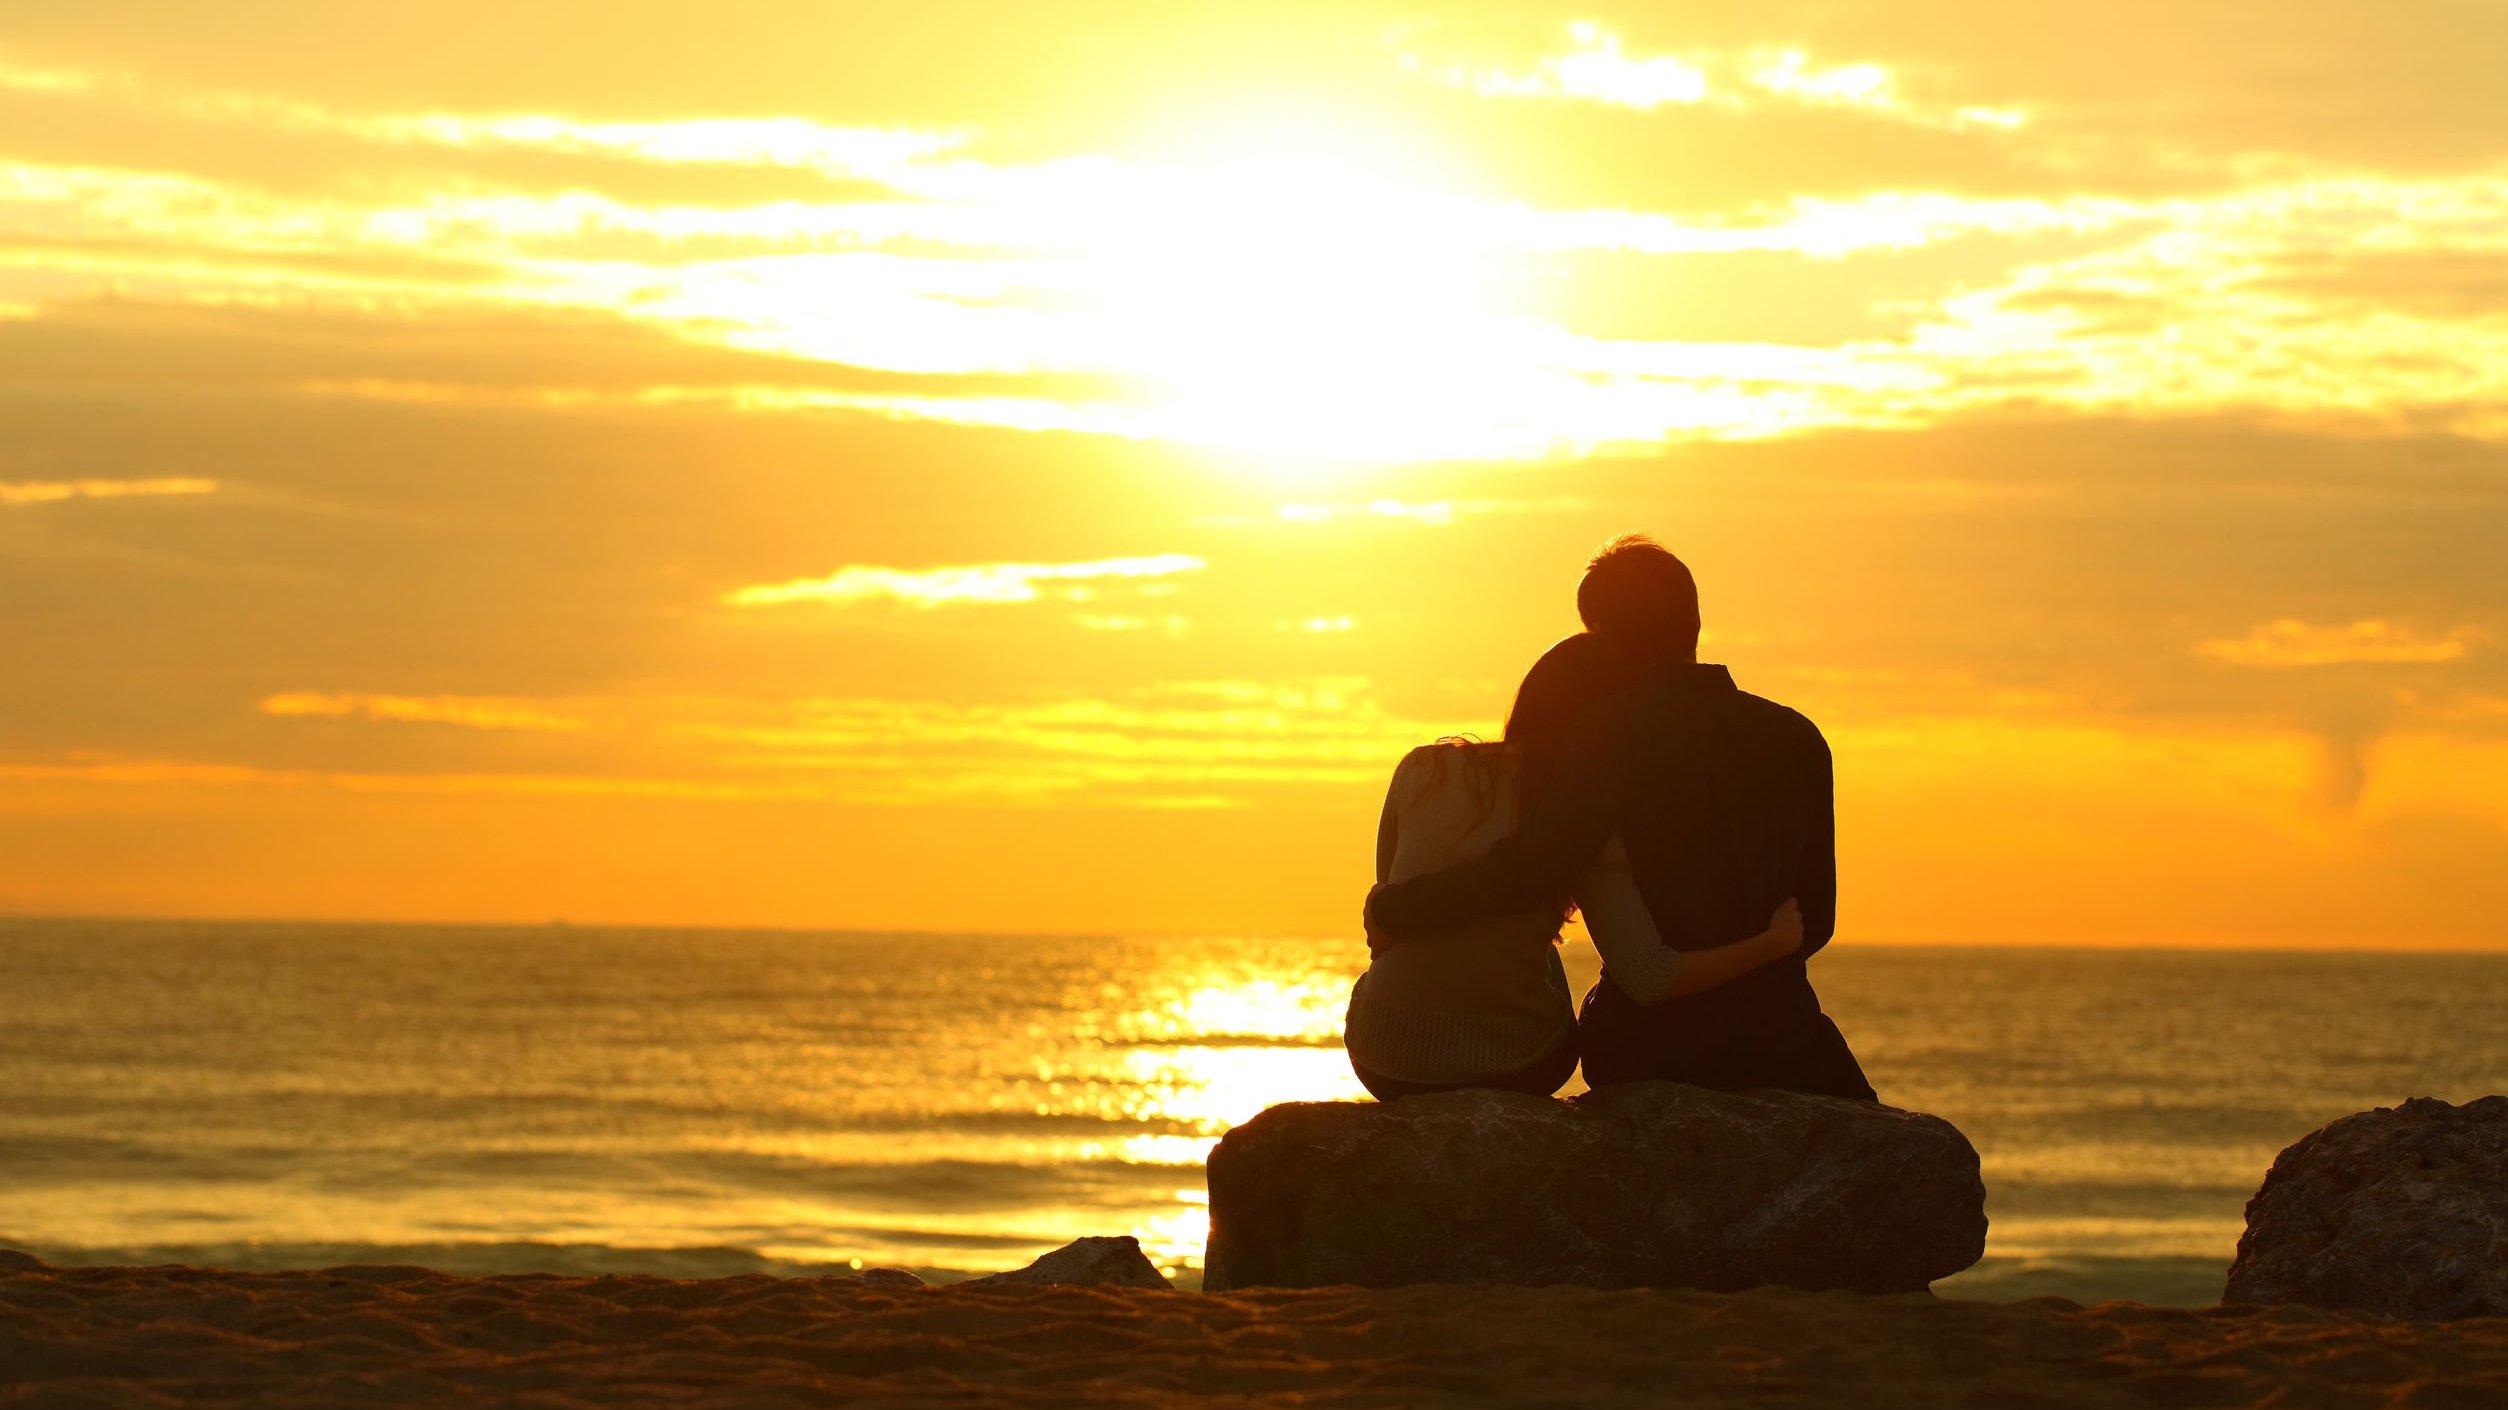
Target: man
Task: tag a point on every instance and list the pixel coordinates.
(1725, 803)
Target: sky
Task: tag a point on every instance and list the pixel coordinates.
(1036, 468)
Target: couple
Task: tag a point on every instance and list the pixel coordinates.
(1690, 822)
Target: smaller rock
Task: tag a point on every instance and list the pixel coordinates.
(1096, 1262)
(2401, 1211)
(877, 1278)
(14, 1261)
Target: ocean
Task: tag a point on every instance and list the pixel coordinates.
(692, 1102)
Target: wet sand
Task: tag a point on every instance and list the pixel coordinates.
(407, 1336)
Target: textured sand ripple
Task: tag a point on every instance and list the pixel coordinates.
(384, 1336)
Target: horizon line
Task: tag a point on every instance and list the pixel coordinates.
(563, 923)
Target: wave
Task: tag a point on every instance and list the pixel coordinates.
(482, 1259)
(2164, 1281)
(1232, 1040)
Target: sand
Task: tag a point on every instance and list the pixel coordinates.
(406, 1336)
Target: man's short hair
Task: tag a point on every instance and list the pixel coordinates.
(1635, 591)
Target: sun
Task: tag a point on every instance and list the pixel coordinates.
(1305, 293)
(1299, 289)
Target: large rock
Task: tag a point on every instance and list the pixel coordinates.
(1648, 1184)
(2402, 1211)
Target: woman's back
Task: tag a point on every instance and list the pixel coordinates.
(1479, 1000)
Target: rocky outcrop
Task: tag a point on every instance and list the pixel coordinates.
(886, 1278)
(1649, 1184)
(2401, 1211)
(1094, 1262)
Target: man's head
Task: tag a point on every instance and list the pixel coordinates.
(1637, 594)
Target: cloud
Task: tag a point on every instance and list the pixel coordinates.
(1439, 513)
(936, 587)
(1198, 743)
(782, 141)
(1434, 512)
(1089, 289)
(774, 141)
(1597, 68)
(2289, 643)
(1030, 292)
(1170, 623)
(23, 492)
(162, 772)
(468, 711)
(1211, 739)
(2437, 283)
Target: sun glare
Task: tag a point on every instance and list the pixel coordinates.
(1309, 295)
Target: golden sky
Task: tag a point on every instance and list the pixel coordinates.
(1032, 467)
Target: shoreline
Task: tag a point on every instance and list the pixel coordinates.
(405, 1335)
(2186, 1281)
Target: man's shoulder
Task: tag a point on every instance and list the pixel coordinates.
(1682, 709)
(1779, 716)
(1775, 726)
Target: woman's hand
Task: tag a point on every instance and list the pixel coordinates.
(1784, 934)
(1377, 941)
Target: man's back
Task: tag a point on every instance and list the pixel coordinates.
(1725, 804)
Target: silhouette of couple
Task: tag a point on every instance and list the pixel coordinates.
(1691, 823)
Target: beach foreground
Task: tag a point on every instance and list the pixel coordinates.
(407, 1336)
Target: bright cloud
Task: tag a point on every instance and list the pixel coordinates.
(1209, 301)
(1169, 622)
(2290, 642)
(1437, 512)
(1441, 511)
(1311, 300)
(792, 142)
(468, 711)
(1207, 740)
(1595, 69)
(1598, 68)
(22, 492)
(936, 587)
(1195, 743)
(779, 141)
(161, 772)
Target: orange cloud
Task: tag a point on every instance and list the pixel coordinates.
(48, 491)
(181, 772)
(2290, 642)
(1597, 68)
(468, 711)
(937, 587)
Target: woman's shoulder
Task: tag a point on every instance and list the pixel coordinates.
(1454, 748)
(1431, 767)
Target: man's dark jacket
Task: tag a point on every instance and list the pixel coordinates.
(1725, 802)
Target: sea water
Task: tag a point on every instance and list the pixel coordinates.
(692, 1102)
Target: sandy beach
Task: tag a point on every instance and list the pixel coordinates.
(408, 1336)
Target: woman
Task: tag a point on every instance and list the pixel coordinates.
(1486, 1005)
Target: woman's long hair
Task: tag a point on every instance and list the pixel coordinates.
(1570, 676)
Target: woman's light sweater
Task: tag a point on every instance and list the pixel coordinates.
(1484, 1000)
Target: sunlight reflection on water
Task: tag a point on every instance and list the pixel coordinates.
(306, 1095)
